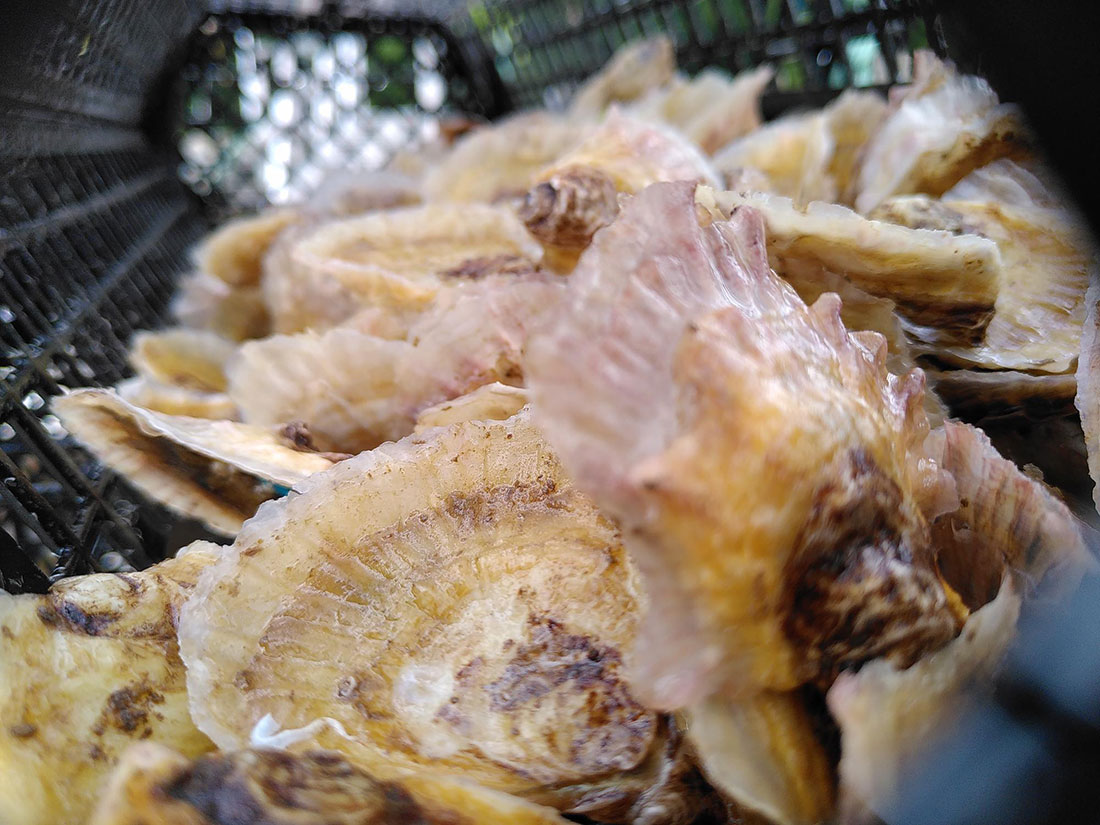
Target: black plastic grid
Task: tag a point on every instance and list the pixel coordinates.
(269, 103)
(542, 49)
(94, 230)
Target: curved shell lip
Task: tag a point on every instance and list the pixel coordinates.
(183, 430)
(114, 428)
(321, 248)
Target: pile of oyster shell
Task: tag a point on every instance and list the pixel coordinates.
(640, 464)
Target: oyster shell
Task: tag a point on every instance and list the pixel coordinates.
(945, 127)
(1006, 523)
(174, 400)
(154, 785)
(234, 252)
(205, 302)
(974, 393)
(580, 191)
(862, 312)
(86, 670)
(814, 553)
(808, 156)
(1045, 260)
(357, 390)
(937, 279)
(492, 402)
(1088, 384)
(1010, 184)
(889, 717)
(853, 120)
(188, 358)
(632, 71)
(343, 194)
(499, 162)
(762, 751)
(447, 601)
(711, 109)
(793, 152)
(396, 259)
(215, 471)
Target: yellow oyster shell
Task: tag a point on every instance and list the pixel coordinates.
(86, 670)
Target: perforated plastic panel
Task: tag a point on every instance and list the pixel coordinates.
(543, 48)
(94, 230)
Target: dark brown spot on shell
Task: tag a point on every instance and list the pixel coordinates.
(862, 584)
(475, 269)
(23, 730)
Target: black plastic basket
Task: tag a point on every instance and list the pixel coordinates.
(101, 198)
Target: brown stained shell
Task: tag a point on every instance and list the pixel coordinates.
(447, 601)
(357, 390)
(187, 358)
(633, 70)
(945, 282)
(566, 210)
(85, 671)
(1045, 260)
(234, 253)
(397, 259)
(1006, 523)
(174, 400)
(205, 302)
(154, 785)
(889, 717)
(1088, 384)
(571, 198)
(215, 471)
(941, 131)
(827, 446)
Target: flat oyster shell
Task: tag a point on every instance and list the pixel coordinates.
(205, 302)
(712, 109)
(154, 785)
(174, 400)
(188, 358)
(86, 670)
(492, 402)
(448, 601)
(234, 252)
(357, 390)
(940, 132)
(215, 471)
(499, 162)
(937, 279)
(632, 71)
(398, 258)
(793, 152)
(1045, 260)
